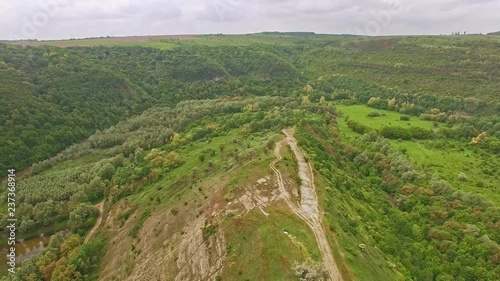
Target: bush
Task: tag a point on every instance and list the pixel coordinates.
(310, 271)
(462, 177)
(396, 133)
(404, 118)
(357, 127)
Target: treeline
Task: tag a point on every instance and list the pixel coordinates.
(157, 126)
(394, 132)
(462, 132)
(359, 91)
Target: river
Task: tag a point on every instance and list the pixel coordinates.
(24, 250)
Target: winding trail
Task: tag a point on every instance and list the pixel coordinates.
(308, 210)
(100, 206)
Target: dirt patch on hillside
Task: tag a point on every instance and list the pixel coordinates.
(201, 254)
(171, 244)
(114, 264)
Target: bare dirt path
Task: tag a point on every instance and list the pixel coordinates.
(100, 206)
(308, 205)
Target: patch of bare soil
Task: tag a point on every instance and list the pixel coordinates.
(256, 195)
(201, 257)
(170, 245)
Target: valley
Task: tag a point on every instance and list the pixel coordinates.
(254, 157)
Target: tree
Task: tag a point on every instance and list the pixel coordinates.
(391, 104)
(154, 174)
(64, 271)
(70, 246)
(27, 225)
(95, 189)
(322, 100)
(82, 218)
(107, 171)
(46, 263)
(305, 101)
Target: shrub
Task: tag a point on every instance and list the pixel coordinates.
(396, 133)
(310, 271)
(404, 118)
(462, 176)
(357, 127)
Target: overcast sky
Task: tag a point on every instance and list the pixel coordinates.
(58, 19)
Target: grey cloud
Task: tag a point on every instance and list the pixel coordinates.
(131, 17)
(153, 9)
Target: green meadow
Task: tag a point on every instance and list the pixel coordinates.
(445, 158)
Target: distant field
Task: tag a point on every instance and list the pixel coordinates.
(170, 41)
(162, 42)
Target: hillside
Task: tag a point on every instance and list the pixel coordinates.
(274, 156)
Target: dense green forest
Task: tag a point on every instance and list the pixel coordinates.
(403, 134)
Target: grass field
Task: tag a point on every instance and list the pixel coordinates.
(170, 41)
(446, 159)
(359, 113)
(161, 42)
(452, 159)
